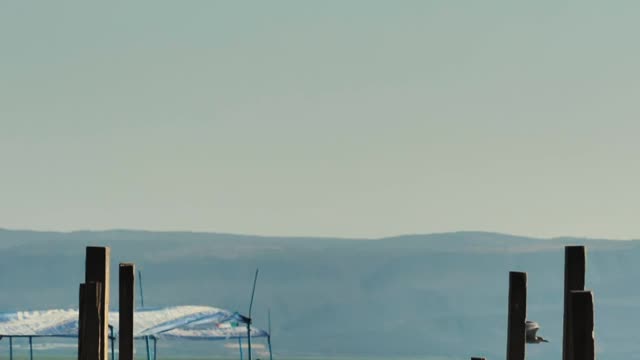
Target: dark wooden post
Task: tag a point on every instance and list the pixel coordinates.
(89, 324)
(583, 341)
(127, 305)
(97, 268)
(574, 279)
(517, 315)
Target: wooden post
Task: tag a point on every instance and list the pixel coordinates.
(582, 324)
(574, 279)
(97, 268)
(127, 288)
(89, 324)
(517, 315)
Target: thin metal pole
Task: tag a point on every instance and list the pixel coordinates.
(146, 339)
(269, 336)
(30, 348)
(240, 346)
(141, 292)
(113, 340)
(253, 292)
(249, 339)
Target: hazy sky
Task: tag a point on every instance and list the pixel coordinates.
(336, 118)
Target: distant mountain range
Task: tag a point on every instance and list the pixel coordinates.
(417, 295)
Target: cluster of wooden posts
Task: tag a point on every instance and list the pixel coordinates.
(578, 341)
(93, 332)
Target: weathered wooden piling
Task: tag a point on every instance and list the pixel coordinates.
(574, 280)
(97, 269)
(89, 324)
(126, 281)
(517, 315)
(582, 325)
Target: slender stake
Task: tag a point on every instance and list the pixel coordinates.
(10, 348)
(240, 346)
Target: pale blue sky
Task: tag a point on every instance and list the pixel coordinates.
(326, 118)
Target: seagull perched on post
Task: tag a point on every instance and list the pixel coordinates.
(531, 328)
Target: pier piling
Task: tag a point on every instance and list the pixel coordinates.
(582, 325)
(89, 324)
(97, 269)
(126, 281)
(517, 315)
(574, 280)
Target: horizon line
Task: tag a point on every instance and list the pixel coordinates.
(319, 237)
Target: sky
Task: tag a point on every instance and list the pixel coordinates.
(326, 118)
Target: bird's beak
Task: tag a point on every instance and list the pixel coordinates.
(543, 340)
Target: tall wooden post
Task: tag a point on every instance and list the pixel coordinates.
(582, 324)
(97, 268)
(517, 315)
(126, 279)
(89, 324)
(574, 279)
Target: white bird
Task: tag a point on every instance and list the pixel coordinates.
(531, 328)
